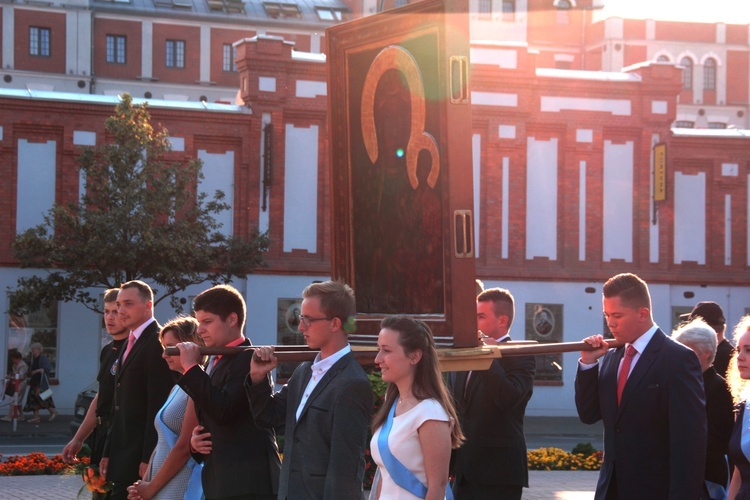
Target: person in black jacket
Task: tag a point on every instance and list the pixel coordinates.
(701, 338)
(96, 420)
(492, 463)
(713, 315)
(142, 383)
(242, 460)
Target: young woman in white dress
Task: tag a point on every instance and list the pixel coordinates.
(416, 428)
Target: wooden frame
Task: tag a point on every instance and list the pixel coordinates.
(401, 168)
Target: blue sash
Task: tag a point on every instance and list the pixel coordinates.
(402, 476)
(194, 488)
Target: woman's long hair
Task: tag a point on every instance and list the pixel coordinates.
(428, 381)
(737, 384)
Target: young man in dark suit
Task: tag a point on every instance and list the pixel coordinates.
(97, 417)
(649, 394)
(326, 406)
(492, 463)
(142, 383)
(243, 462)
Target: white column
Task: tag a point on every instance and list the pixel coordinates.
(147, 49)
(205, 53)
(8, 36)
(728, 229)
(582, 211)
(476, 146)
(506, 207)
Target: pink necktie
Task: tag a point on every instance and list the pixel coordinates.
(131, 341)
(630, 353)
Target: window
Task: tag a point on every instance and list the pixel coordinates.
(116, 49)
(39, 41)
(563, 14)
(175, 56)
(709, 74)
(717, 125)
(401, 3)
(509, 10)
(485, 9)
(687, 73)
(662, 58)
(282, 10)
(229, 57)
(328, 14)
(38, 326)
(683, 124)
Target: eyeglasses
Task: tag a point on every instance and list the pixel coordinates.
(306, 320)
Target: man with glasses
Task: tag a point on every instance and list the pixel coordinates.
(326, 406)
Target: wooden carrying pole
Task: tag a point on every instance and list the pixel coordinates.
(451, 360)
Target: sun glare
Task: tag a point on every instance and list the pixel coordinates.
(715, 11)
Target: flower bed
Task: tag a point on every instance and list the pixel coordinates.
(558, 459)
(35, 464)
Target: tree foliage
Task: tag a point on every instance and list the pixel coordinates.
(141, 217)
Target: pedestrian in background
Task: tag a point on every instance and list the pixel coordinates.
(40, 371)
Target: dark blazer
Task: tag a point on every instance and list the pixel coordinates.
(244, 459)
(720, 414)
(655, 442)
(142, 385)
(491, 412)
(324, 450)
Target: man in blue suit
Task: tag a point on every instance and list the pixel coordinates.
(649, 394)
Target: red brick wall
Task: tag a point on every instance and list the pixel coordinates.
(737, 34)
(219, 37)
(37, 120)
(738, 63)
(301, 42)
(24, 19)
(634, 54)
(133, 50)
(634, 29)
(686, 32)
(191, 35)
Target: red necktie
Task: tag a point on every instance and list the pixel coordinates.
(131, 341)
(630, 353)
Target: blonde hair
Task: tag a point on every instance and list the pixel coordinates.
(737, 384)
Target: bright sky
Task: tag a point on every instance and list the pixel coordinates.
(726, 11)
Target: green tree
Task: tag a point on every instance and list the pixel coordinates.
(140, 218)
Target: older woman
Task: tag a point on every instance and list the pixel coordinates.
(40, 371)
(416, 428)
(701, 338)
(172, 473)
(738, 376)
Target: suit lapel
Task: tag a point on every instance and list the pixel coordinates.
(221, 367)
(137, 346)
(642, 367)
(327, 378)
(471, 387)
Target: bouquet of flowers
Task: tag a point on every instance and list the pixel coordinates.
(94, 482)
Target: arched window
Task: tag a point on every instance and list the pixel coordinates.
(662, 58)
(687, 73)
(563, 11)
(709, 74)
